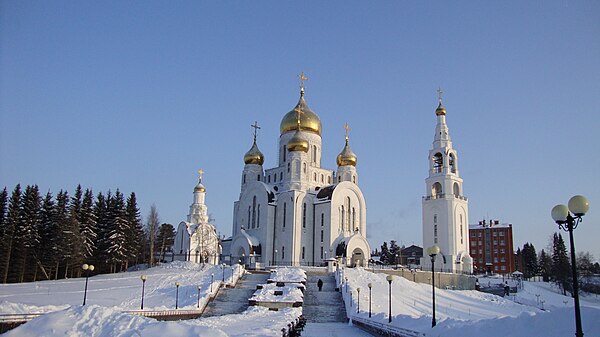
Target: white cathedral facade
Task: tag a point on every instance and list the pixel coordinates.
(196, 239)
(299, 213)
(445, 208)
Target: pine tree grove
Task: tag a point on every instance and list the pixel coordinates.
(45, 237)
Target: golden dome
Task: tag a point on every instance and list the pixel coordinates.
(254, 156)
(441, 110)
(346, 157)
(199, 187)
(297, 143)
(309, 121)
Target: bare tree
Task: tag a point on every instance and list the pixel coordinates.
(151, 231)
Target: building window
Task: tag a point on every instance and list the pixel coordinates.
(304, 167)
(282, 252)
(322, 179)
(322, 219)
(244, 179)
(269, 179)
(473, 234)
(495, 242)
(258, 177)
(481, 251)
(322, 235)
(258, 217)
(321, 252)
(496, 268)
(452, 163)
(315, 176)
(503, 259)
(304, 215)
(495, 250)
(435, 218)
(354, 179)
(479, 234)
(438, 162)
(501, 233)
(249, 216)
(288, 167)
(501, 242)
(480, 243)
(283, 153)
(253, 211)
(480, 260)
(473, 251)
(495, 234)
(435, 230)
(284, 212)
(303, 252)
(275, 177)
(495, 260)
(503, 267)
(348, 213)
(502, 251)
(436, 190)
(329, 180)
(280, 176)
(354, 218)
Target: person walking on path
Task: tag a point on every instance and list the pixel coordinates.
(320, 284)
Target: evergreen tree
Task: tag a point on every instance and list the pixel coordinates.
(165, 238)
(394, 256)
(135, 235)
(87, 225)
(61, 234)
(117, 232)
(3, 223)
(529, 258)
(13, 219)
(545, 265)
(45, 252)
(585, 263)
(385, 253)
(74, 244)
(26, 236)
(102, 231)
(519, 260)
(560, 264)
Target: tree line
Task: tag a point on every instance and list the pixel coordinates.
(49, 237)
(554, 266)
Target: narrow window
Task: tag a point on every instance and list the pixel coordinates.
(280, 176)
(354, 218)
(322, 219)
(269, 179)
(343, 218)
(348, 223)
(288, 167)
(258, 217)
(321, 252)
(284, 212)
(249, 210)
(304, 215)
(254, 212)
(258, 177)
(304, 167)
(315, 176)
(322, 235)
(303, 252)
(283, 153)
(322, 179)
(314, 154)
(435, 218)
(329, 180)
(244, 179)
(435, 231)
(438, 162)
(282, 252)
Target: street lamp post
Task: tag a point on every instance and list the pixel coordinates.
(578, 205)
(177, 284)
(358, 300)
(432, 252)
(370, 286)
(143, 278)
(390, 278)
(87, 268)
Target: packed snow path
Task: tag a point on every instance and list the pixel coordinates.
(323, 306)
(333, 330)
(235, 300)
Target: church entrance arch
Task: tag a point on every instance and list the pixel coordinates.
(358, 258)
(241, 256)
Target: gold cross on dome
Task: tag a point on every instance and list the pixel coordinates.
(256, 127)
(298, 112)
(201, 172)
(347, 128)
(302, 79)
(440, 92)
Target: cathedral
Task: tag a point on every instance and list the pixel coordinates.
(299, 213)
(196, 239)
(445, 208)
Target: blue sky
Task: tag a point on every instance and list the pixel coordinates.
(140, 94)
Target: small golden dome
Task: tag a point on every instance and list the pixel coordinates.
(254, 156)
(199, 187)
(441, 110)
(346, 157)
(297, 143)
(309, 121)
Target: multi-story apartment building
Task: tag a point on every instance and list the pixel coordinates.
(491, 247)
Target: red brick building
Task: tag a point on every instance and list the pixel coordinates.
(491, 247)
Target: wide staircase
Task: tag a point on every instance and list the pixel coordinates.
(323, 306)
(235, 300)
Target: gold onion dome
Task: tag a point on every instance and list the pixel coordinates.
(309, 121)
(254, 156)
(441, 110)
(297, 143)
(199, 187)
(346, 157)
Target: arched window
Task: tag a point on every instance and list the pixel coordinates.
(322, 178)
(249, 212)
(280, 176)
(284, 211)
(354, 179)
(322, 235)
(258, 177)
(258, 217)
(321, 252)
(456, 190)
(438, 163)
(304, 215)
(461, 228)
(339, 179)
(354, 218)
(348, 213)
(282, 252)
(314, 154)
(283, 153)
(303, 252)
(244, 179)
(288, 167)
(315, 176)
(342, 218)
(452, 163)
(304, 167)
(254, 212)
(436, 190)
(269, 178)
(322, 219)
(329, 179)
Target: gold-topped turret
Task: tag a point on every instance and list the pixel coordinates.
(254, 156)
(298, 143)
(441, 110)
(346, 157)
(309, 120)
(200, 186)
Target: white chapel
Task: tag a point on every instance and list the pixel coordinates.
(196, 239)
(299, 213)
(445, 208)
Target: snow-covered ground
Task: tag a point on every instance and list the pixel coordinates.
(538, 309)
(465, 313)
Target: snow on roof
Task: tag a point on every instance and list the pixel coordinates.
(253, 241)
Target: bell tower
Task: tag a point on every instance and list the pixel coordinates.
(445, 208)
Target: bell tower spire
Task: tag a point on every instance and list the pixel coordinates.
(445, 208)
